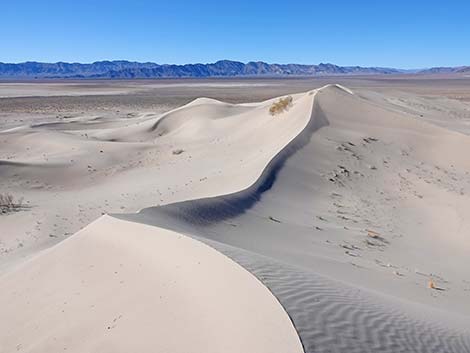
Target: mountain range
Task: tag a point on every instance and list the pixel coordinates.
(446, 70)
(122, 69)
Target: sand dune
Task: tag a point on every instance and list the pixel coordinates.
(47, 167)
(345, 206)
(329, 187)
(309, 211)
(120, 287)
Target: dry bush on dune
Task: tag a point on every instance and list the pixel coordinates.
(433, 285)
(281, 105)
(372, 233)
(178, 151)
(9, 204)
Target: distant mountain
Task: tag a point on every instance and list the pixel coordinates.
(446, 70)
(464, 69)
(62, 69)
(223, 68)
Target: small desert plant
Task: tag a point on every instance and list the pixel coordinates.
(372, 234)
(178, 151)
(9, 204)
(433, 285)
(281, 105)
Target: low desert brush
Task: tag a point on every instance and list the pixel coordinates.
(281, 105)
(8, 203)
(433, 285)
(178, 151)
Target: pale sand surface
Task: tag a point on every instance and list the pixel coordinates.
(103, 160)
(283, 217)
(116, 286)
(290, 197)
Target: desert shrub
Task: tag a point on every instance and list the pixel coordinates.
(281, 105)
(178, 151)
(8, 203)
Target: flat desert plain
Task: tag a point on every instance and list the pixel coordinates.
(236, 215)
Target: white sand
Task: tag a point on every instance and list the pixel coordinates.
(122, 287)
(101, 160)
(290, 197)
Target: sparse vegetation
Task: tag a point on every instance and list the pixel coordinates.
(433, 285)
(281, 105)
(178, 151)
(373, 234)
(274, 219)
(9, 204)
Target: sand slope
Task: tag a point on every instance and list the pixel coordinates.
(121, 287)
(183, 154)
(367, 168)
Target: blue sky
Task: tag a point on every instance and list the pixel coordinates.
(404, 34)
